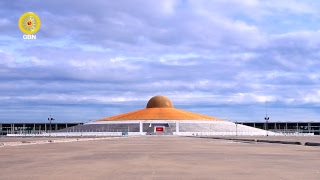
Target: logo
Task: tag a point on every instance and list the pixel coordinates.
(29, 23)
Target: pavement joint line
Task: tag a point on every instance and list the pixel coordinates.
(23, 143)
(3, 144)
(312, 144)
(262, 141)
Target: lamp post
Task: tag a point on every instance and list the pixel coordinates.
(50, 119)
(266, 118)
(236, 128)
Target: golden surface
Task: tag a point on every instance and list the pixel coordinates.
(160, 108)
(160, 114)
(159, 102)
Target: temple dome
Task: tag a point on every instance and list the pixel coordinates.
(159, 102)
(159, 108)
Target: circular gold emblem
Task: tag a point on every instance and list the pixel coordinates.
(29, 23)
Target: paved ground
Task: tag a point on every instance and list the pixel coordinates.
(302, 139)
(280, 138)
(159, 157)
(5, 139)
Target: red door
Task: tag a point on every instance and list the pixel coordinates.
(159, 129)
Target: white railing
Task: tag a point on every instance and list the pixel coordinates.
(79, 134)
(239, 134)
(70, 134)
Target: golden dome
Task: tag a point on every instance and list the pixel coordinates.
(160, 108)
(159, 102)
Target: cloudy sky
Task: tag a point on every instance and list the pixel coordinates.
(98, 58)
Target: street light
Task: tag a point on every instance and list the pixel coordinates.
(266, 118)
(50, 119)
(236, 128)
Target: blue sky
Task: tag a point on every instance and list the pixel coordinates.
(98, 58)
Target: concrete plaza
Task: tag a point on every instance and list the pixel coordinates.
(159, 157)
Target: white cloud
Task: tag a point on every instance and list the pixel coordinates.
(293, 6)
(4, 22)
(230, 55)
